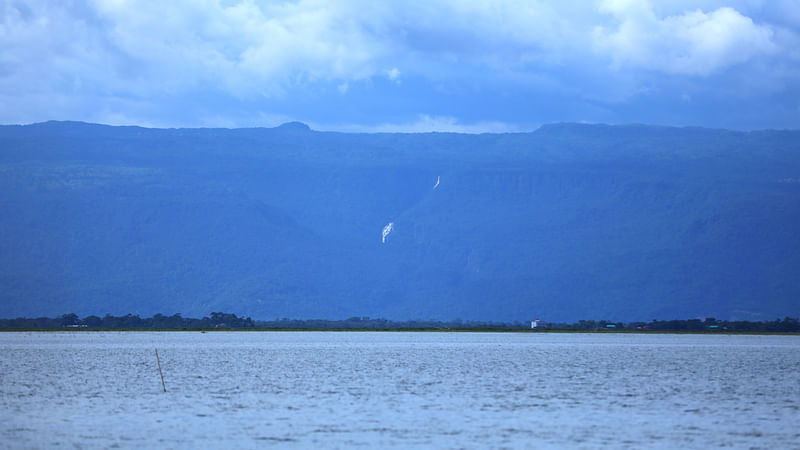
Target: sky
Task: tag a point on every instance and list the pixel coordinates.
(379, 66)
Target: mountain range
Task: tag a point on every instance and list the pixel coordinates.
(569, 222)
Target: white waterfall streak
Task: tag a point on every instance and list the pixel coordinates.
(386, 230)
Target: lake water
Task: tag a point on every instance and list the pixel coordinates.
(393, 389)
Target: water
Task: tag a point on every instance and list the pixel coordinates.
(442, 390)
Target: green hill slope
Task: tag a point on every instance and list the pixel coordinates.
(568, 222)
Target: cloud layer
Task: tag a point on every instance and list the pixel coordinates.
(693, 43)
(460, 65)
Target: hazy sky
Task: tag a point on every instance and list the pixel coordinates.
(370, 65)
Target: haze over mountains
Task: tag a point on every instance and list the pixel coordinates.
(568, 222)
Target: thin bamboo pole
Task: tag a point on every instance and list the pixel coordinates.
(160, 373)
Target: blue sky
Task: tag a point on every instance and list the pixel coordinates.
(368, 65)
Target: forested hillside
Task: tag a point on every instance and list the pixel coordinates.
(564, 223)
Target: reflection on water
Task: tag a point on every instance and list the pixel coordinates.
(447, 390)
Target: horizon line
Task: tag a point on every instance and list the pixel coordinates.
(379, 129)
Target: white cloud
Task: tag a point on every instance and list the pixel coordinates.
(246, 48)
(265, 48)
(126, 59)
(141, 47)
(425, 123)
(692, 43)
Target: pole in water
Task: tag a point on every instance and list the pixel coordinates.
(160, 373)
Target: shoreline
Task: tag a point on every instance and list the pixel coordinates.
(396, 330)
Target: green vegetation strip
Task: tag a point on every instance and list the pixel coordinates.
(218, 321)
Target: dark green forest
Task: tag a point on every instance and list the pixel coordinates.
(566, 222)
(227, 321)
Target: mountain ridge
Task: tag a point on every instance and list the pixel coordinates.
(576, 221)
(299, 125)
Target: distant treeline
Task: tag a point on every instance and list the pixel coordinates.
(129, 321)
(227, 320)
(787, 324)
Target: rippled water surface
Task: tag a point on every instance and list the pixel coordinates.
(444, 390)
